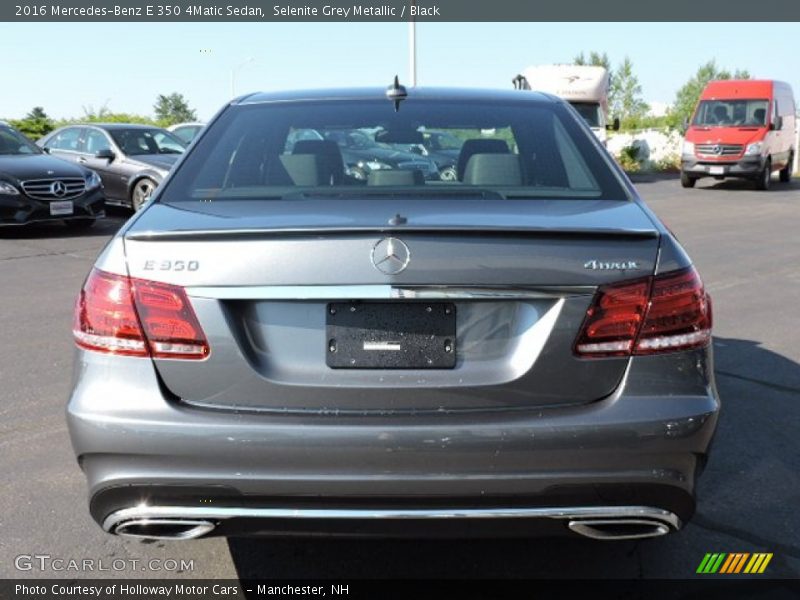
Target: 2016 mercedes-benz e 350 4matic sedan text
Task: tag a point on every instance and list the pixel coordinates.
(273, 346)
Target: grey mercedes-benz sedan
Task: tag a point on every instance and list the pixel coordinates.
(275, 346)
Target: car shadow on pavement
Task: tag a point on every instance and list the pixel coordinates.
(404, 559)
(728, 185)
(643, 178)
(747, 502)
(747, 497)
(708, 183)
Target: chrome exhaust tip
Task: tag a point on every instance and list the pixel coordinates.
(619, 529)
(164, 529)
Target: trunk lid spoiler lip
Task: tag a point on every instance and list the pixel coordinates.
(257, 232)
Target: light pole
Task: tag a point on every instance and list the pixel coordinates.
(234, 71)
(412, 50)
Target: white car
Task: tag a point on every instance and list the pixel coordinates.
(186, 131)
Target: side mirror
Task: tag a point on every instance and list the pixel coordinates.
(685, 123)
(106, 153)
(46, 149)
(614, 125)
(777, 123)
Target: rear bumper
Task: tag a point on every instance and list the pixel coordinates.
(22, 210)
(248, 473)
(189, 522)
(748, 166)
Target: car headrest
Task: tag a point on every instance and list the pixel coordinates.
(478, 146)
(493, 169)
(316, 147)
(305, 169)
(396, 177)
(330, 153)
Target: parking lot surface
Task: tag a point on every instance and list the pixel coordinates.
(746, 247)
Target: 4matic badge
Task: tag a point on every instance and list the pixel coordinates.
(612, 265)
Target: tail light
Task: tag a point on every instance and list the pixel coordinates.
(136, 317)
(679, 315)
(647, 316)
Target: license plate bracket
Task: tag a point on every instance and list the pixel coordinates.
(61, 207)
(716, 170)
(391, 335)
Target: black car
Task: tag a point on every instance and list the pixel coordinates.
(130, 159)
(443, 148)
(363, 154)
(37, 187)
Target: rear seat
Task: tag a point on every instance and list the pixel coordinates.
(478, 146)
(305, 169)
(330, 155)
(493, 169)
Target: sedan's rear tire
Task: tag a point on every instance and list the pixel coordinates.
(765, 177)
(141, 192)
(687, 181)
(786, 172)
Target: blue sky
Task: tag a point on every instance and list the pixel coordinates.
(66, 66)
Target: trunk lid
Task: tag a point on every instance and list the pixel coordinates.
(521, 274)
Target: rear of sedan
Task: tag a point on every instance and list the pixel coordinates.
(35, 187)
(273, 347)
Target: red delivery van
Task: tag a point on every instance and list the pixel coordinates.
(741, 128)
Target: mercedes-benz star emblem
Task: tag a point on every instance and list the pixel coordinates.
(717, 149)
(58, 189)
(390, 256)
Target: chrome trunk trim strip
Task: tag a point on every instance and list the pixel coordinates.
(380, 292)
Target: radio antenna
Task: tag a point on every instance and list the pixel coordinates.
(396, 93)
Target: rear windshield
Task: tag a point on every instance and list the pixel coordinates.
(727, 113)
(346, 148)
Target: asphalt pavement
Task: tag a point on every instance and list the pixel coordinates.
(747, 248)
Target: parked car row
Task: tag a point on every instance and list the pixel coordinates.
(89, 165)
(131, 160)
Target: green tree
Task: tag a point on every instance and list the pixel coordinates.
(687, 96)
(595, 60)
(105, 115)
(173, 109)
(35, 124)
(625, 98)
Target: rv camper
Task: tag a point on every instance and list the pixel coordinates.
(584, 87)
